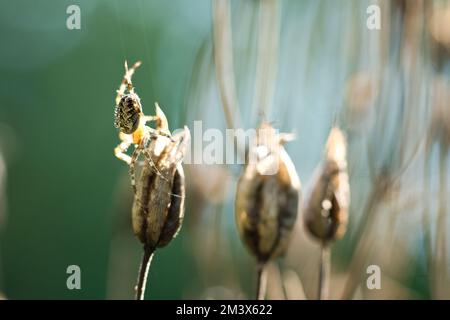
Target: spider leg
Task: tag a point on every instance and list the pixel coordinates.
(158, 130)
(149, 118)
(155, 133)
(162, 127)
(149, 158)
(126, 81)
(182, 139)
(133, 161)
(121, 149)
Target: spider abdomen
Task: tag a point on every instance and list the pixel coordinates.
(127, 113)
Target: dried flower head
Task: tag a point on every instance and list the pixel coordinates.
(439, 130)
(439, 25)
(158, 207)
(267, 196)
(326, 209)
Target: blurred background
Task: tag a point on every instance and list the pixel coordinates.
(65, 199)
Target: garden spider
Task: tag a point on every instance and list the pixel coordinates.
(131, 121)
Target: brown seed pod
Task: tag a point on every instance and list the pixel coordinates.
(158, 207)
(267, 196)
(439, 130)
(326, 211)
(439, 25)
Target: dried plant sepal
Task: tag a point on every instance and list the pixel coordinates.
(175, 215)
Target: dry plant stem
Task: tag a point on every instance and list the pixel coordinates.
(261, 284)
(266, 67)
(427, 245)
(363, 240)
(440, 273)
(282, 283)
(324, 273)
(223, 57)
(143, 272)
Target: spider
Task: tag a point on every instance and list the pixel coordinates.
(131, 121)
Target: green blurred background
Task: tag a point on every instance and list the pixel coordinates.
(68, 197)
(57, 91)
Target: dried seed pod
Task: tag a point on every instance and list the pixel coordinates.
(267, 196)
(326, 211)
(439, 25)
(361, 92)
(439, 130)
(158, 207)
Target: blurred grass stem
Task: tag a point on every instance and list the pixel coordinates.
(266, 65)
(223, 58)
(440, 268)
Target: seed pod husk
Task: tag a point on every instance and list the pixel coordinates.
(158, 207)
(439, 130)
(326, 210)
(267, 197)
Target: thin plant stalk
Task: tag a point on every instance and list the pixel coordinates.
(143, 272)
(267, 56)
(363, 238)
(427, 241)
(223, 58)
(441, 248)
(279, 268)
(324, 273)
(261, 281)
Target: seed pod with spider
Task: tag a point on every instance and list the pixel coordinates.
(267, 199)
(159, 200)
(158, 206)
(326, 209)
